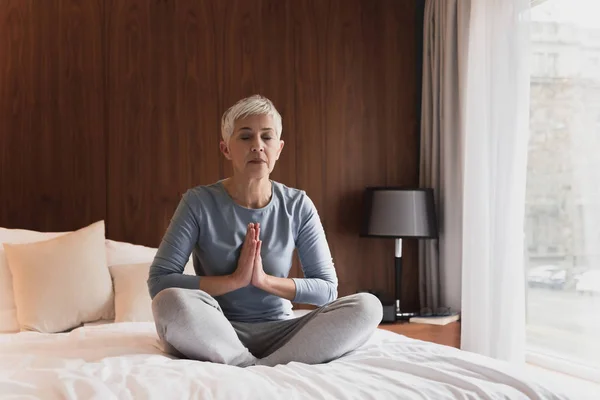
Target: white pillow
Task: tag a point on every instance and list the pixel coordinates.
(121, 253)
(132, 299)
(63, 282)
(8, 311)
(128, 253)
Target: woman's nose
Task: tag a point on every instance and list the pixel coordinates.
(257, 146)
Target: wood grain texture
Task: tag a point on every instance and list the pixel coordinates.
(447, 335)
(163, 117)
(52, 160)
(400, 124)
(256, 58)
(356, 102)
(111, 109)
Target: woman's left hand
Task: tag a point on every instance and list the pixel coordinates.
(282, 287)
(259, 277)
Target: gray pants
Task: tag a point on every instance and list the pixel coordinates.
(191, 325)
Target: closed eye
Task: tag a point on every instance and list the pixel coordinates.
(248, 136)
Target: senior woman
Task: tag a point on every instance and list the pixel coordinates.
(242, 232)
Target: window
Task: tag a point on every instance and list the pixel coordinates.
(593, 66)
(562, 232)
(545, 64)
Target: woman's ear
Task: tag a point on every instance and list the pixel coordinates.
(225, 149)
(281, 144)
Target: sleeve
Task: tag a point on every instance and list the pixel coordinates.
(319, 285)
(174, 252)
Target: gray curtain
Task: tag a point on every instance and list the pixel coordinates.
(444, 38)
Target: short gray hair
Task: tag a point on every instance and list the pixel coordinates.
(253, 105)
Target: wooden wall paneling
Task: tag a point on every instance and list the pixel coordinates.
(19, 115)
(400, 123)
(198, 114)
(52, 115)
(130, 166)
(79, 148)
(257, 59)
(240, 34)
(374, 261)
(275, 68)
(309, 22)
(163, 119)
(344, 153)
(353, 62)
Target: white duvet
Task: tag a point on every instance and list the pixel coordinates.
(123, 361)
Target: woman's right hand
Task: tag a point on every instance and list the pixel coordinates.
(242, 276)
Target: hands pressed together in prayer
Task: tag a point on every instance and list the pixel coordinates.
(250, 270)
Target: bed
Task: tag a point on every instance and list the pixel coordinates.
(124, 361)
(54, 345)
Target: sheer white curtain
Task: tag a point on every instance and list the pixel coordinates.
(496, 130)
(474, 148)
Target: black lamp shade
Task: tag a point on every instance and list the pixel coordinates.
(399, 213)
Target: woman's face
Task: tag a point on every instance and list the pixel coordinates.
(253, 147)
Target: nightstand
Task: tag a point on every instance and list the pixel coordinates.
(448, 335)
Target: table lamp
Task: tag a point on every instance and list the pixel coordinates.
(393, 212)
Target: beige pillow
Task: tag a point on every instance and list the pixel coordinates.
(8, 310)
(128, 253)
(63, 282)
(132, 299)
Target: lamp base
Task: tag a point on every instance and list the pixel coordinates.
(389, 313)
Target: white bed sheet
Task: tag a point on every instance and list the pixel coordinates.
(124, 361)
